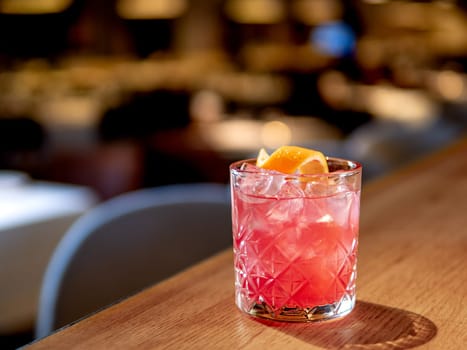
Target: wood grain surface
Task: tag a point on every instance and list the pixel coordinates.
(411, 285)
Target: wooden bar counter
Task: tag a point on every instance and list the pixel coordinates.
(411, 285)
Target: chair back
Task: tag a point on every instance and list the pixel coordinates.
(128, 243)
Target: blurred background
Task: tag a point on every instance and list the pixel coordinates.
(123, 94)
(117, 95)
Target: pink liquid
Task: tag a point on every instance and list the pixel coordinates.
(297, 252)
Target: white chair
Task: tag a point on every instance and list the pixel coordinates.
(34, 216)
(128, 243)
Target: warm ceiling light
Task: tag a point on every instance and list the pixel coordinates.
(275, 133)
(385, 102)
(445, 3)
(151, 9)
(451, 85)
(255, 11)
(375, 1)
(206, 106)
(33, 7)
(314, 12)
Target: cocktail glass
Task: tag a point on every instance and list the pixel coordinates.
(295, 241)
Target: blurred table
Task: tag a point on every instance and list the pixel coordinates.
(411, 287)
(34, 215)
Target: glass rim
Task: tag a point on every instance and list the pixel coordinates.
(354, 168)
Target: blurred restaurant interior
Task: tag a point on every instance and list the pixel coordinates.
(118, 95)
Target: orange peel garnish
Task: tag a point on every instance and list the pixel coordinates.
(292, 160)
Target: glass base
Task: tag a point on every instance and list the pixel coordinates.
(311, 314)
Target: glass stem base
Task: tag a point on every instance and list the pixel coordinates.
(297, 314)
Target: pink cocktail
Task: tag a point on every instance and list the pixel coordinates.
(295, 241)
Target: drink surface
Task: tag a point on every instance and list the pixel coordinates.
(294, 246)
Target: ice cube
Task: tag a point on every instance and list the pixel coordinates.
(274, 186)
(259, 182)
(315, 210)
(339, 207)
(291, 188)
(317, 188)
(290, 202)
(326, 218)
(249, 167)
